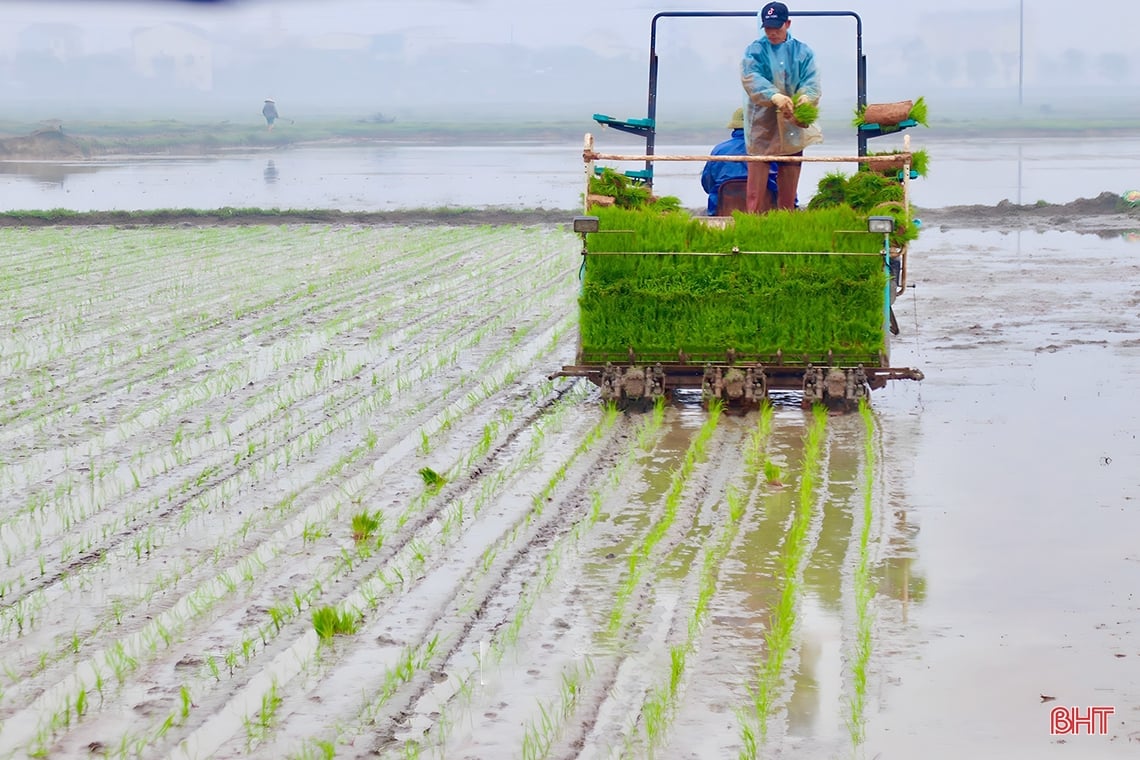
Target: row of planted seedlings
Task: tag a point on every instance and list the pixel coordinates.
(148, 546)
(483, 648)
(769, 678)
(244, 370)
(204, 441)
(566, 682)
(660, 703)
(834, 561)
(417, 548)
(862, 587)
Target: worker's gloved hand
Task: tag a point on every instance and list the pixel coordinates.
(802, 98)
(783, 102)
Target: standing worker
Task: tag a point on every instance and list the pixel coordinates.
(269, 111)
(777, 72)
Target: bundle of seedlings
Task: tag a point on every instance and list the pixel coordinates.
(890, 114)
(919, 162)
(867, 189)
(805, 112)
(831, 191)
(648, 288)
(867, 192)
(610, 188)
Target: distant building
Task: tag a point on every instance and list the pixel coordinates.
(179, 51)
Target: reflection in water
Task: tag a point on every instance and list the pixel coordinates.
(46, 173)
(270, 172)
(547, 175)
(857, 573)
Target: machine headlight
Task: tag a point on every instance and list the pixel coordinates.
(880, 224)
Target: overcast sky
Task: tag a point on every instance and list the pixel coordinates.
(1068, 45)
(1089, 25)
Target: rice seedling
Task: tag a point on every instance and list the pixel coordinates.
(432, 479)
(186, 702)
(329, 622)
(772, 473)
(365, 525)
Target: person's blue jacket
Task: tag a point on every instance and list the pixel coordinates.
(716, 173)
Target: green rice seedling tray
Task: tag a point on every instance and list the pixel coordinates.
(787, 286)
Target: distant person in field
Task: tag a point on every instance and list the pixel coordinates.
(775, 69)
(269, 111)
(716, 173)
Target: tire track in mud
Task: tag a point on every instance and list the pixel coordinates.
(409, 447)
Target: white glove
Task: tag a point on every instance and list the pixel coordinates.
(781, 101)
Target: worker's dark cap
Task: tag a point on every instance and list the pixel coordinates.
(773, 15)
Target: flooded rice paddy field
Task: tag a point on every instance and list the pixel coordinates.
(218, 440)
(393, 176)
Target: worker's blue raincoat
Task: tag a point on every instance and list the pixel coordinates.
(765, 70)
(716, 173)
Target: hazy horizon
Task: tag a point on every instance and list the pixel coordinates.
(491, 59)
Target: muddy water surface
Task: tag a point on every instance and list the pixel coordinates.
(536, 175)
(968, 554)
(1016, 461)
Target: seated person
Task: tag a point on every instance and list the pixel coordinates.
(716, 173)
